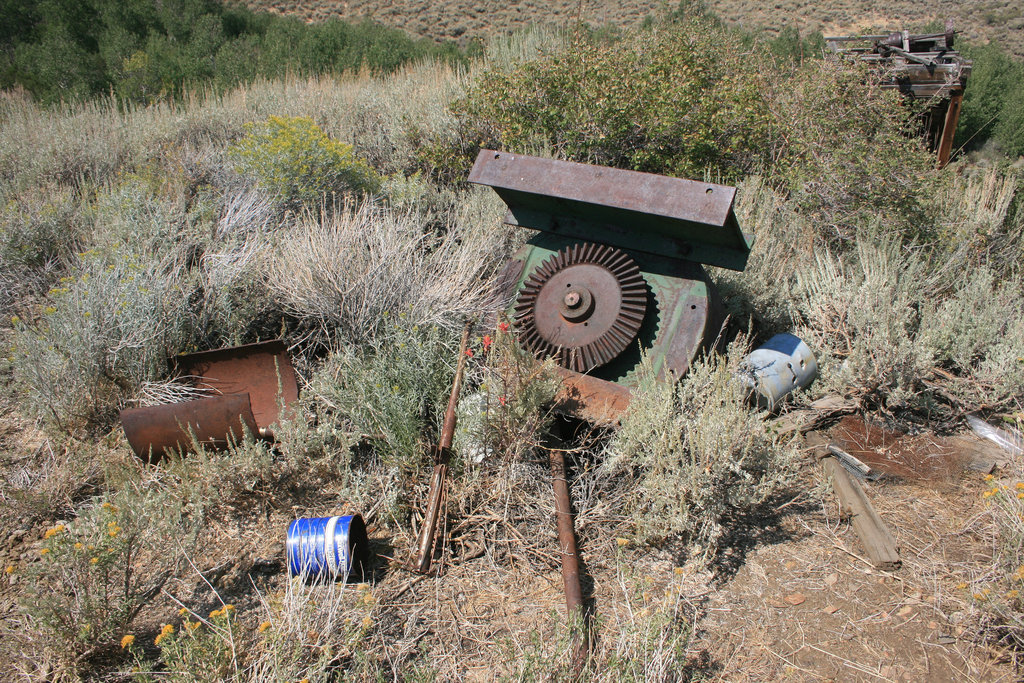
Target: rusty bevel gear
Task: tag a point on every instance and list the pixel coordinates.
(583, 306)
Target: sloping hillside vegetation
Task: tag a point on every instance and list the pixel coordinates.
(333, 212)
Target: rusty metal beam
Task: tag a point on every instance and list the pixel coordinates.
(949, 128)
(656, 214)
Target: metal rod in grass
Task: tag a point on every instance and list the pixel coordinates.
(437, 482)
(569, 554)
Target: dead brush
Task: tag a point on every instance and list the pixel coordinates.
(351, 269)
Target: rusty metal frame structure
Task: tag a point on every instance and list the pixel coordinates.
(923, 67)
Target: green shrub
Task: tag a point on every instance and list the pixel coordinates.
(695, 455)
(395, 390)
(294, 159)
(681, 100)
(847, 152)
(993, 99)
(109, 325)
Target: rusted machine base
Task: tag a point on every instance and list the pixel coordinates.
(213, 422)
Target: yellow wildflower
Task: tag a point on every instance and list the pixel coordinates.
(50, 533)
(229, 608)
(979, 596)
(9, 569)
(264, 626)
(678, 570)
(49, 310)
(1020, 485)
(216, 613)
(79, 546)
(44, 551)
(367, 622)
(94, 560)
(183, 611)
(368, 599)
(960, 586)
(127, 641)
(989, 477)
(109, 507)
(622, 541)
(1012, 594)
(165, 632)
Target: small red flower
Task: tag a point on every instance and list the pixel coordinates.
(469, 352)
(487, 342)
(501, 400)
(503, 327)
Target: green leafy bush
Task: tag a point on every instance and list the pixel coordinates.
(679, 99)
(395, 391)
(993, 105)
(294, 159)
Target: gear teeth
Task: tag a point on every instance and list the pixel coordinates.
(603, 349)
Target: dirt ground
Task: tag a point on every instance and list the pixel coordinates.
(794, 598)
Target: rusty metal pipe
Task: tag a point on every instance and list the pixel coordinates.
(569, 554)
(429, 529)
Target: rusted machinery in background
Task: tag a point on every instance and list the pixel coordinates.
(924, 67)
(248, 386)
(613, 271)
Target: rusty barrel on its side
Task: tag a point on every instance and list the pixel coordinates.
(214, 422)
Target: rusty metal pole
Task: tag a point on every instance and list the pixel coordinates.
(574, 604)
(437, 481)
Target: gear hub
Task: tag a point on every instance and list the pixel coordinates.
(583, 306)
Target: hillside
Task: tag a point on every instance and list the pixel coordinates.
(330, 210)
(978, 20)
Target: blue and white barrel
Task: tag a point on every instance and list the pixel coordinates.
(327, 547)
(783, 364)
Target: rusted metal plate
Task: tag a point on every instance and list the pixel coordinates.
(656, 214)
(214, 421)
(263, 371)
(589, 398)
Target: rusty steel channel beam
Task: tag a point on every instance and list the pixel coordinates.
(214, 422)
(636, 211)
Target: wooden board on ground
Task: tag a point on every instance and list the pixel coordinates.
(873, 533)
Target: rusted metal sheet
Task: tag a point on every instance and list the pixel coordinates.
(627, 209)
(214, 421)
(263, 371)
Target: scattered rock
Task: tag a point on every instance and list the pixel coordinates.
(796, 599)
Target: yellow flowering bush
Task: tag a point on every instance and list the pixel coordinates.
(96, 573)
(200, 649)
(293, 158)
(1000, 603)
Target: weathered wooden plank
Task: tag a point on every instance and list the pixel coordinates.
(874, 535)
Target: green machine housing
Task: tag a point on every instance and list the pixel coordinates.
(614, 268)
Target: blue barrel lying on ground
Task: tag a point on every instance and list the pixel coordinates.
(328, 547)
